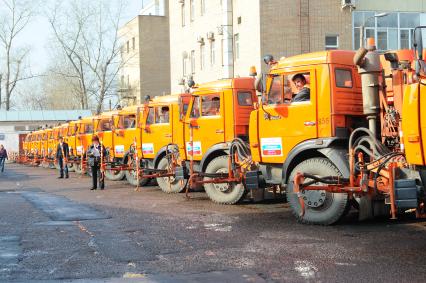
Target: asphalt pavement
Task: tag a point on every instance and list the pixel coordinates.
(57, 230)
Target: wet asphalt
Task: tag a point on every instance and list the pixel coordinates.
(59, 231)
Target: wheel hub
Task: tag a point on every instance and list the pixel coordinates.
(223, 187)
(313, 198)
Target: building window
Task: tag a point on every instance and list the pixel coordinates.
(202, 56)
(185, 64)
(391, 32)
(222, 49)
(133, 43)
(202, 7)
(127, 46)
(191, 10)
(212, 53)
(182, 13)
(237, 46)
(331, 42)
(193, 61)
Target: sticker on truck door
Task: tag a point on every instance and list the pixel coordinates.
(271, 147)
(197, 148)
(148, 148)
(79, 149)
(119, 149)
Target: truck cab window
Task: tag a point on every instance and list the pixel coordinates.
(151, 115)
(245, 98)
(195, 112)
(105, 125)
(343, 78)
(297, 88)
(89, 129)
(129, 122)
(210, 105)
(162, 115)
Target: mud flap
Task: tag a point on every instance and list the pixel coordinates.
(365, 208)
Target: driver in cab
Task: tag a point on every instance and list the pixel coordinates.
(303, 92)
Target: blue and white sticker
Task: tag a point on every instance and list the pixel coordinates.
(119, 149)
(79, 149)
(271, 147)
(148, 148)
(197, 148)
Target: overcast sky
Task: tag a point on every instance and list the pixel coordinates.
(37, 33)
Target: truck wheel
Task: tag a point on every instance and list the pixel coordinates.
(89, 171)
(77, 168)
(168, 185)
(71, 167)
(225, 193)
(321, 208)
(131, 176)
(45, 164)
(114, 175)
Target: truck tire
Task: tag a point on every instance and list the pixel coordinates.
(168, 185)
(224, 193)
(131, 176)
(321, 208)
(77, 168)
(71, 167)
(114, 175)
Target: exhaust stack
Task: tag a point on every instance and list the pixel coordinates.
(368, 62)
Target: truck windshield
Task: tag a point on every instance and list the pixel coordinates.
(275, 94)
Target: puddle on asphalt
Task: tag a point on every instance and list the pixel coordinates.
(60, 208)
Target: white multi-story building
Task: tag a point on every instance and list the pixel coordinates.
(154, 8)
(214, 39)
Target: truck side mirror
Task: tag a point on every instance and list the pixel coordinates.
(420, 67)
(258, 85)
(418, 42)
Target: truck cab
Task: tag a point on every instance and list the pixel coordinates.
(285, 129)
(159, 125)
(218, 113)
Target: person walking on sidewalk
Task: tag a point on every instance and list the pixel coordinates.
(3, 157)
(62, 154)
(96, 155)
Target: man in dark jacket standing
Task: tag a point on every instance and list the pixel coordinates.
(97, 153)
(62, 154)
(3, 157)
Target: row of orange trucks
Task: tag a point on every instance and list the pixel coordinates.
(355, 143)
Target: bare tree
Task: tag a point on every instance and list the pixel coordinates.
(16, 16)
(68, 36)
(87, 33)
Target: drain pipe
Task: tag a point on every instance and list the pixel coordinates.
(228, 44)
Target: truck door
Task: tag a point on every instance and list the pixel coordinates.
(124, 134)
(157, 131)
(289, 116)
(207, 123)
